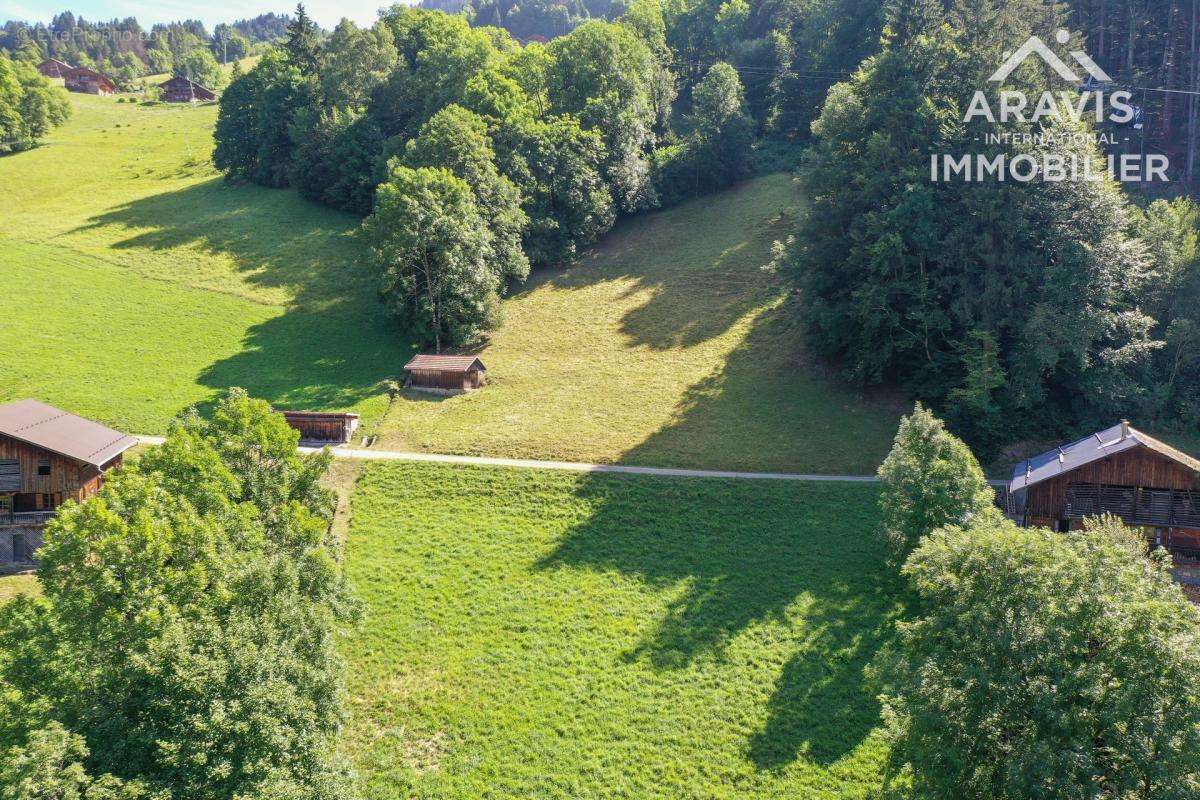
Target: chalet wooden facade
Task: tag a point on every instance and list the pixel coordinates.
(183, 90)
(47, 456)
(321, 427)
(445, 374)
(1119, 471)
(53, 68)
(88, 81)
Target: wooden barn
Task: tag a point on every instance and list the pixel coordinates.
(1119, 471)
(47, 456)
(321, 427)
(88, 81)
(445, 374)
(183, 90)
(53, 68)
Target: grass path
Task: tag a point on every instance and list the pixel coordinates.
(555, 635)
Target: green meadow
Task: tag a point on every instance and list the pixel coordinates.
(554, 635)
(140, 282)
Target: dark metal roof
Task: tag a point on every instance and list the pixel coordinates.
(445, 363)
(1117, 439)
(61, 432)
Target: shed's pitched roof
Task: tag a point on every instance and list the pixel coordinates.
(187, 83)
(445, 363)
(60, 432)
(1117, 439)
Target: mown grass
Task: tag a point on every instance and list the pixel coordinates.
(138, 282)
(669, 344)
(555, 635)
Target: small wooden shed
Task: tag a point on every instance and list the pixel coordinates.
(445, 374)
(88, 81)
(322, 427)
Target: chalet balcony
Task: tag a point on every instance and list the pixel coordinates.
(11, 519)
(1135, 505)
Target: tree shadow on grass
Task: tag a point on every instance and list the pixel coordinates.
(334, 344)
(701, 263)
(743, 554)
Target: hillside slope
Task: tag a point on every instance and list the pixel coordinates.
(669, 344)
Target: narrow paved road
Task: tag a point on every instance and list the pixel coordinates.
(574, 466)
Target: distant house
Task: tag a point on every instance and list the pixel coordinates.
(88, 81)
(47, 456)
(445, 374)
(322, 427)
(1119, 471)
(53, 68)
(183, 90)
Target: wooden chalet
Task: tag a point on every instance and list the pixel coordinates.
(1119, 471)
(184, 90)
(445, 374)
(53, 68)
(47, 456)
(88, 81)
(321, 427)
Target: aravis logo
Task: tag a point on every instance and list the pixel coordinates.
(1035, 45)
(1050, 142)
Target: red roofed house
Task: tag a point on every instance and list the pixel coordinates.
(47, 456)
(445, 374)
(88, 81)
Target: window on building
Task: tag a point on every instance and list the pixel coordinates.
(44, 467)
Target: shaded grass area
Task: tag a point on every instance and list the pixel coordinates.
(138, 282)
(540, 634)
(669, 345)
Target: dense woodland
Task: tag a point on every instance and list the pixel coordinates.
(29, 106)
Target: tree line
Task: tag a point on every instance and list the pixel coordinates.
(474, 157)
(184, 646)
(1017, 308)
(125, 51)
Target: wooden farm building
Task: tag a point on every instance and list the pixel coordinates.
(183, 90)
(53, 68)
(320, 427)
(88, 81)
(1119, 471)
(47, 457)
(445, 374)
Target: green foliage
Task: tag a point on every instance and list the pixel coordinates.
(1013, 306)
(29, 106)
(186, 634)
(253, 140)
(930, 479)
(338, 158)
(1044, 665)
(457, 140)
(199, 66)
(303, 42)
(49, 766)
(432, 248)
(356, 63)
(604, 75)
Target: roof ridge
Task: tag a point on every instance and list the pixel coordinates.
(60, 415)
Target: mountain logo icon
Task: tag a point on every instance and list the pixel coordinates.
(1034, 45)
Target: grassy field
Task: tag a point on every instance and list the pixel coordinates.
(667, 345)
(550, 635)
(138, 282)
(13, 585)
